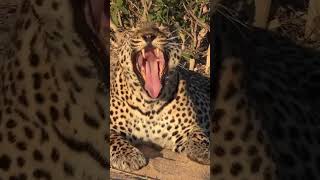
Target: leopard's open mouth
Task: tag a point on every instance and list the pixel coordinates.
(151, 66)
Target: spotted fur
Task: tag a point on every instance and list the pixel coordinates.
(266, 105)
(177, 120)
(51, 107)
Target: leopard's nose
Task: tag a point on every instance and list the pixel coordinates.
(149, 38)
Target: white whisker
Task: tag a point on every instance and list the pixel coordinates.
(173, 31)
(173, 44)
(174, 37)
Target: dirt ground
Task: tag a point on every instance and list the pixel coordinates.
(165, 165)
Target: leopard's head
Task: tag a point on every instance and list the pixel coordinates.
(152, 54)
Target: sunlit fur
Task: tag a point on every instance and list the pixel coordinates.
(177, 119)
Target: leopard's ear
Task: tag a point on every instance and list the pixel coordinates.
(165, 29)
(162, 27)
(134, 28)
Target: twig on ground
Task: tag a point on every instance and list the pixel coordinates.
(207, 70)
(203, 25)
(134, 174)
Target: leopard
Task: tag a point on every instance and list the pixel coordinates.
(53, 122)
(265, 104)
(155, 101)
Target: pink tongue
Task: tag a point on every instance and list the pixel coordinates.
(152, 82)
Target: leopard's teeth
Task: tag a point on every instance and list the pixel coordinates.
(160, 69)
(143, 72)
(157, 52)
(143, 54)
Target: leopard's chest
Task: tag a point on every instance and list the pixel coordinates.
(162, 128)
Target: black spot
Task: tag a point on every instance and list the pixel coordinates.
(178, 139)
(23, 100)
(11, 124)
(252, 150)
(218, 114)
(235, 169)
(164, 135)
(41, 174)
(73, 99)
(8, 110)
(66, 112)
(44, 136)
(10, 76)
(75, 84)
(174, 133)
(46, 75)
(67, 49)
(28, 132)
(11, 137)
(231, 91)
(20, 75)
(91, 121)
(76, 43)
(36, 80)
(229, 135)
(22, 146)
(247, 130)
(34, 59)
(236, 150)
(22, 115)
(25, 7)
(216, 169)
(42, 117)
(39, 98)
(37, 155)
(20, 161)
(256, 164)
(55, 156)
(39, 2)
(5, 162)
(54, 97)
(58, 35)
(13, 178)
(54, 113)
(83, 71)
(22, 176)
(68, 169)
(235, 120)
(102, 113)
(34, 39)
(219, 151)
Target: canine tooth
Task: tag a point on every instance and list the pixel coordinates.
(143, 73)
(157, 51)
(143, 53)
